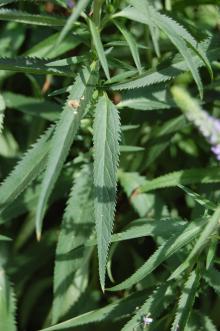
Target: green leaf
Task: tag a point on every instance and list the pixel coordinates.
(106, 158)
(32, 106)
(26, 18)
(69, 61)
(149, 308)
(144, 7)
(142, 202)
(161, 137)
(140, 228)
(30, 166)
(212, 277)
(99, 47)
(178, 35)
(7, 304)
(181, 45)
(183, 177)
(207, 323)
(148, 227)
(45, 47)
(210, 259)
(27, 201)
(167, 72)
(182, 32)
(77, 224)
(64, 135)
(33, 66)
(4, 238)
(177, 29)
(132, 45)
(145, 104)
(198, 198)
(186, 301)
(117, 310)
(80, 6)
(205, 237)
(171, 246)
(150, 98)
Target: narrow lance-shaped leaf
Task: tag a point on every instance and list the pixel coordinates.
(117, 310)
(27, 18)
(142, 202)
(44, 47)
(182, 32)
(81, 5)
(132, 45)
(207, 323)
(7, 304)
(206, 203)
(27, 201)
(164, 74)
(77, 225)
(106, 158)
(166, 250)
(32, 163)
(178, 35)
(184, 177)
(32, 106)
(164, 133)
(152, 27)
(99, 47)
(4, 238)
(154, 16)
(141, 228)
(67, 127)
(212, 277)
(186, 301)
(212, 251)
(181, 45)
(206, 235)
(36, 66)
(149, 308)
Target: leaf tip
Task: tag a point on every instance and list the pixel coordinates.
(38, 235)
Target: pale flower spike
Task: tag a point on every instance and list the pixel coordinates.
(208, 125)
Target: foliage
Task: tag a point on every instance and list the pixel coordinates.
(110, 149)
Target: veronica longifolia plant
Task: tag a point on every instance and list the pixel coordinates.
(92, 141)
